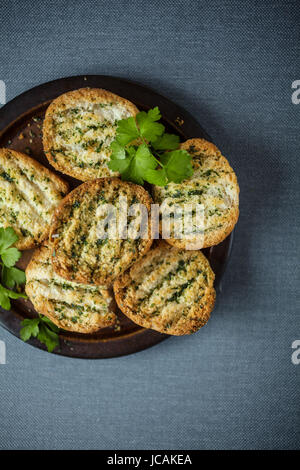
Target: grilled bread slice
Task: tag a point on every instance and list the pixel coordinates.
(29, 193)
(78, 129)
(214, 186)
(71, 306)
(85, 253)
(170, 290)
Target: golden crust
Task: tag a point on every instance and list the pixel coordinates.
(23, 183)
(213, 160)
(169, 290)
(66, 163)
(71, 306)
(75, 221)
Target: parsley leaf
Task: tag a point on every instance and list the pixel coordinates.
(127, 131)
(142, 151)
(47, 337)
(118, 151)
(4, 298)
(50, 324)
(118, 160)
(41, 328)
(30, 328)
(119, 165)
(157, 177)
(6, 295)
(142, 161)
(7, 238)
(178, 165)
(10, 257)
(166, 142)
(149, 128)
(10, 276)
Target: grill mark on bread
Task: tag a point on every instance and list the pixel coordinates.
(80, 254)
(78, 129)
(80, 297)
(29, 194)
(31, 179)
(160, 281)
(80, 228)
(79, 293)
(72, 306)
(84, 314)
(214, 185)
(173, 296)
(22, 198)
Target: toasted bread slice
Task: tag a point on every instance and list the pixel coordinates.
(214, 186)
(81, 252)
(169, 290)
(78, 129)
(71, 306)
(29, 193)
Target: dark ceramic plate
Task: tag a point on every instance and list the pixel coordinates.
(20, 129)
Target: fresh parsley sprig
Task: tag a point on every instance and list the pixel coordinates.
(41, 328)
(10, 276)
(142, 151)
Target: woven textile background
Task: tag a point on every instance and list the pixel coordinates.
(233, 384)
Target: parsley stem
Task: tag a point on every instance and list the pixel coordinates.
(155, 155)
(152, 151)
(158, 162)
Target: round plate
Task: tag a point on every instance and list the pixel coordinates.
(21, 129)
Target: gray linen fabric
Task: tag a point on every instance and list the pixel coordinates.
(233, 384)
